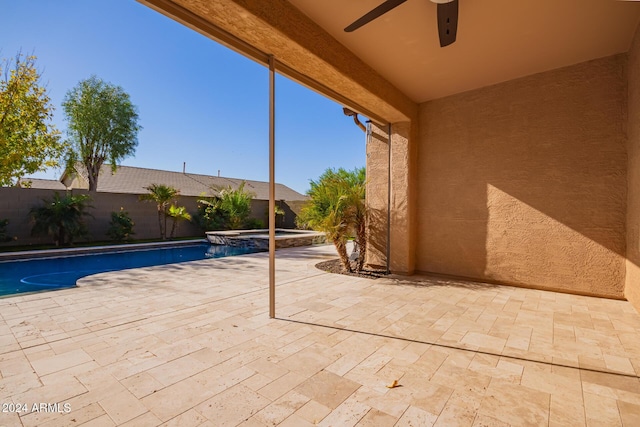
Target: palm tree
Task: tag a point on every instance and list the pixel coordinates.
(329, 211)
(177, 214)
(162, 195)
(357, 212)
(61, 217)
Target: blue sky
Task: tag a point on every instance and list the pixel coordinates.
(198, 101)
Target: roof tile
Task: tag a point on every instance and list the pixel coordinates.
(129, 179)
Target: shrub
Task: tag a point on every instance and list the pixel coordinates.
(61, 217)
(253, 223)
(177, 214)
(337, 208)
(229, 210)
(210, 216)
(3, 230)
(120, 226)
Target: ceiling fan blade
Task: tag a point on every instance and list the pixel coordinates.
(447, 22)
(375, 13)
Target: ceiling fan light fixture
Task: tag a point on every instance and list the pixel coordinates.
(441, 1)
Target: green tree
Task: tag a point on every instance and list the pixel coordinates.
(177, 214)
(61, 217)
(336, 207)
(102, 126)
(29, 142)
(162, 195)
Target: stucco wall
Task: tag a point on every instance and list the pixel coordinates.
(632, 285)
(525, 182)
(377, 196)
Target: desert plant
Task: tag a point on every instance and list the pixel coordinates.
(162, 195)
(210, 216)
(229, 210)
(120, 226)
(61, 217)
(177, 214)
(357, 211)
(336, 207)
(237, 204)
(326, 212)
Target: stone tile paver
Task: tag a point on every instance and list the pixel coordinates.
(233, 406)
(192, 345)
(313, 412)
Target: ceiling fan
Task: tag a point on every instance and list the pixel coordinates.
(447, 18)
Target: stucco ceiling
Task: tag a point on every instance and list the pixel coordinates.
(498, 40)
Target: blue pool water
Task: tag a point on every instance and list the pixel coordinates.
(40, 274)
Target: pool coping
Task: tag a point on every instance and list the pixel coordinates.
(263, 233)
(50, 253)
(259, 238)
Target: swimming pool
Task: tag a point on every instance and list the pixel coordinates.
(41, 274)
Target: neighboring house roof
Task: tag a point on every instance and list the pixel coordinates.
(43, 184)
(129, 179)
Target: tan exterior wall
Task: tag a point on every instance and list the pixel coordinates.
(377, 195)
(632, 283)
(400, 195)
(403, 183)
(298, 43)
(525, 182)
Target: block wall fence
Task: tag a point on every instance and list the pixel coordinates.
(15, 204)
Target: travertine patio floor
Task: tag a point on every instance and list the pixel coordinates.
(192, 344)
